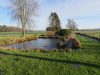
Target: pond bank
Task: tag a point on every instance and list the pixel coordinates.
(11, 40)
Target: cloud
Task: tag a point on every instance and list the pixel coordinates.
(82, 11)
(85, 12)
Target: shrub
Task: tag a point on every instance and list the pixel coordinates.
(73, 43)
(64, 32)
(50, 33)
(77, 43)
(70, 43)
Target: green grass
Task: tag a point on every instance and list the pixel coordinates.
(7, 34)
(84, 61)
(15, 37)
(91, 33)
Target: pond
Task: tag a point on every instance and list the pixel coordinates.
(40, 43)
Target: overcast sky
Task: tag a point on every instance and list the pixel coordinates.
(86, 13)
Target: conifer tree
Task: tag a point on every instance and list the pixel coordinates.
(54, 22)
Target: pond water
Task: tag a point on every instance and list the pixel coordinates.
(39, 43)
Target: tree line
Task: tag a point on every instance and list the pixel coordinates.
(4, 28)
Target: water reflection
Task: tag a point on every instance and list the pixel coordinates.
(39, 43)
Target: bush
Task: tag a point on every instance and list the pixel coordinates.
(64, 32)
(50, 33)
(70, 43)
(73, 43)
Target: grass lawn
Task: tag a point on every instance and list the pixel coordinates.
(9, 34)
(91, 33)
(85, 61)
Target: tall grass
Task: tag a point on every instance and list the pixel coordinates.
(16, 39)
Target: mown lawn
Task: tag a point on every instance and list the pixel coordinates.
(84, 61)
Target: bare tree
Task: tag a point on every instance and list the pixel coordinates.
(23, 11)
(72, 25)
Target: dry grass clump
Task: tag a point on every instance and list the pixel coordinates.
(11, 40)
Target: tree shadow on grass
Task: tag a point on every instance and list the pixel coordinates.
(56, 60)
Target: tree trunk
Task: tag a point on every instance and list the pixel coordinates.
(23, 32)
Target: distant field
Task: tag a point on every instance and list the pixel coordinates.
(89, 30)
(20, 33)
(92, 33)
